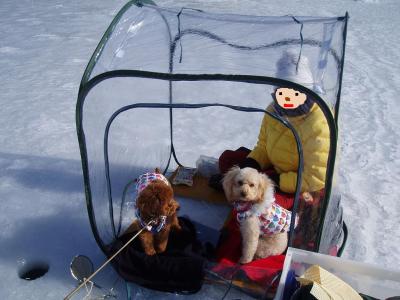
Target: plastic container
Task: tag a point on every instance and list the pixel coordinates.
(207, 166)
(365, 278)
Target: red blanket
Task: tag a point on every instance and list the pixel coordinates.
(229, 252)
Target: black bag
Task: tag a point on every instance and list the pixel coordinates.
(175, 270)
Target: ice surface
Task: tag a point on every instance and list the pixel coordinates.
(44, 48)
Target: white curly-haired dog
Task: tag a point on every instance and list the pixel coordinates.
(263, 223)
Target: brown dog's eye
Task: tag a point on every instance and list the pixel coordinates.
(296, 94)
(251, 184)
(280, 93)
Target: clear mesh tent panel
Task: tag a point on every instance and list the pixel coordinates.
(188, 41)
(127, 121)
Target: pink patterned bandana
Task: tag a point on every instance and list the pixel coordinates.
(273, 220)
(144, 180)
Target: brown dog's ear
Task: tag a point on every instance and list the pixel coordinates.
(228, 181)
(140, 203)
(173, 206)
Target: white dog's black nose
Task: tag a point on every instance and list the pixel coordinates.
(243, 194)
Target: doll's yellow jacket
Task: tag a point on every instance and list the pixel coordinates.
(276, 147)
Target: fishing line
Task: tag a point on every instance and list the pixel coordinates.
(107, 262)
(88, 290)
(236, 269)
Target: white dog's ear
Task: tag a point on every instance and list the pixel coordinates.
(266, 190)
(228, 180)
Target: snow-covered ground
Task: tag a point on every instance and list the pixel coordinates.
(44, 48)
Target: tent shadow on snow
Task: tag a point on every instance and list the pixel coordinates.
(55, 234)
(48, 173)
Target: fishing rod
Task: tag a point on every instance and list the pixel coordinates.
(107, 262)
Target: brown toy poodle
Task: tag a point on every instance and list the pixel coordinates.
(155, 202)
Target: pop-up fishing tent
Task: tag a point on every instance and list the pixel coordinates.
(165, 86)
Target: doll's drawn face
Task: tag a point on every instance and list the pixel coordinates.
(289, 98)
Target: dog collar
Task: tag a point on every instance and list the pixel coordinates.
(242, 209)
(152, 228)
(242, 206)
